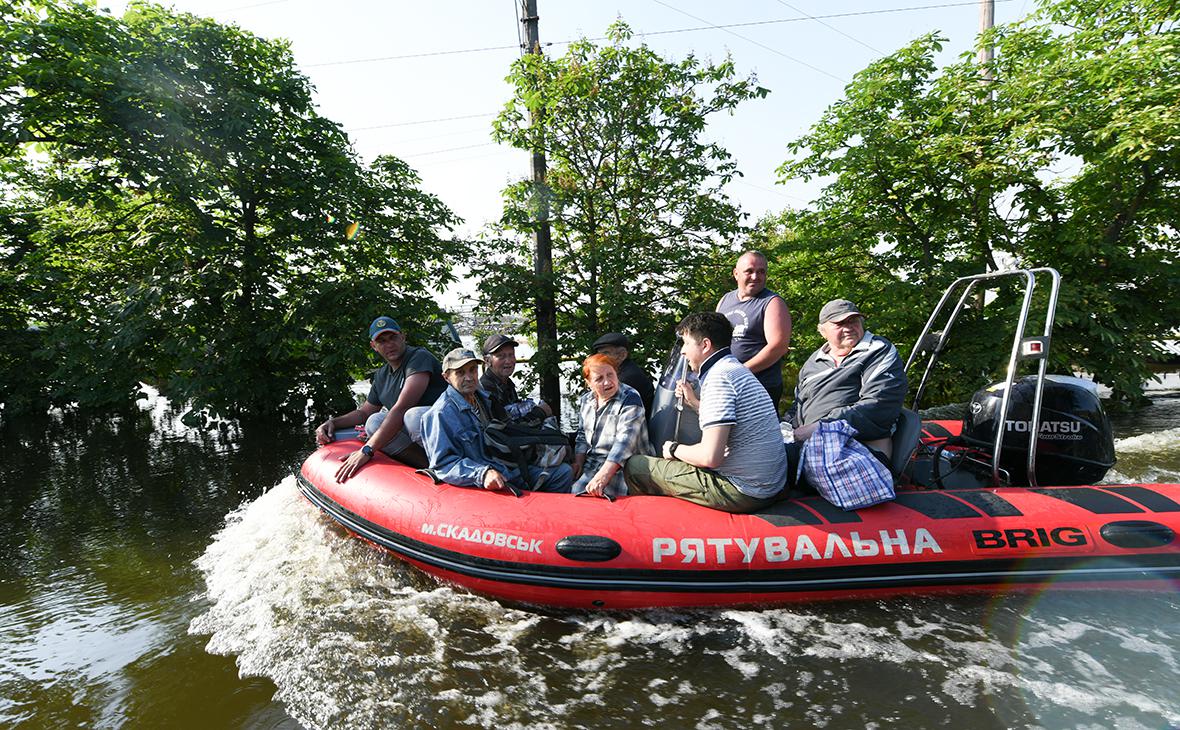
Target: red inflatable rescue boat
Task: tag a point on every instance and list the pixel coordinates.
(971, 514)
(639, 552)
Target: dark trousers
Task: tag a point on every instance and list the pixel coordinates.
(776, 395)
(774, 389)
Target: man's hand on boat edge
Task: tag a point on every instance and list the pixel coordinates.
(494, 480)
(326, 432)
(352, 464)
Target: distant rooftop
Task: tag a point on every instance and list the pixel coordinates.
(468, 322)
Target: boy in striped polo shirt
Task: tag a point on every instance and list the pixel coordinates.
(740, 464)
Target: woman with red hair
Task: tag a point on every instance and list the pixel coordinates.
(613, 428)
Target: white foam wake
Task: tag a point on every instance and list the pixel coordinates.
(1154, 442)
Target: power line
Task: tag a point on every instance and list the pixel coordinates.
(772, 191)
(519, 28)
(479, 130)
(450, 149)
(786, 4)
(410, 55)
(468, 158)
(421, 121)
(830, 16)
(722, 26)
(801, 62)
(817, 18)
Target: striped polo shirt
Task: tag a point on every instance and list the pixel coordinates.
(756, 461)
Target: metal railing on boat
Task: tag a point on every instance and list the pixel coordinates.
(933, 342)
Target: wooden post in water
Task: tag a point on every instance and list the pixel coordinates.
(545, 307)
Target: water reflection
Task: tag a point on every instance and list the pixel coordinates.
(100, 521)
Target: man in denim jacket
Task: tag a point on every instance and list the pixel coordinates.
(453, 433)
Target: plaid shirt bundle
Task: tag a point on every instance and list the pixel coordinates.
(842, 469)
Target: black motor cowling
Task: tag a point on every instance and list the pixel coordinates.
(1075, 446)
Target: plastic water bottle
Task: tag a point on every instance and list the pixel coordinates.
(788, 432)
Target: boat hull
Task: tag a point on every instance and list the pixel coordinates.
(643, 552)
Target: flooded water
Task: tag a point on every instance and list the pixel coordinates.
(162, 576)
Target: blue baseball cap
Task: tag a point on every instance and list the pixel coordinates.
(383, 324)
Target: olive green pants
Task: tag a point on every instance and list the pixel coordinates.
(672, 478)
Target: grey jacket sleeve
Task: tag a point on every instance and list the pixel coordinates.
(882, 392)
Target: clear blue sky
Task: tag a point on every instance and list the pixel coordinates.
(386, 104)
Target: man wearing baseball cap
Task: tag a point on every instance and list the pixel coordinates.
(453, 433)
(410, 377)
(617, 347)
(499, 357)
(855, 376)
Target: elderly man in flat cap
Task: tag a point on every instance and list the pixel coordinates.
(499, 358)
(617, 347)
(453, 432)
(855, 376)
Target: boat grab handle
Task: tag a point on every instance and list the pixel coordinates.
(609, 498)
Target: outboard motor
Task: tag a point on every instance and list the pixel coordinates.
(1075, 445)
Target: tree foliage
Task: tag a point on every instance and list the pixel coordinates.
(1067, 159)
(180, 214)
(635, 192)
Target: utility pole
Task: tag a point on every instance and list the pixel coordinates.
(987, 19)
(545, 307)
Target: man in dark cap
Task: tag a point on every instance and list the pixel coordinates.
(617, 347)
(410, 377)
(855, 376)
(499, 357)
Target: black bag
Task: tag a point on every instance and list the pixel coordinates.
(544, 446)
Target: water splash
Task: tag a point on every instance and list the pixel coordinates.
(1153, 442)
(1151, 457)
(1066, 659)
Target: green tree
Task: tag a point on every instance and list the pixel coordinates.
(196, 219)
(937, 174)
(23, 375)
(636, 197)
(1107, 96)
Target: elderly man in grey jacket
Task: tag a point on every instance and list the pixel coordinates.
(856, 376)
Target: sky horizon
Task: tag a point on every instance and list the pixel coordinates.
(424, 81)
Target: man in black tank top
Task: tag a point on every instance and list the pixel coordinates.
(761, 323)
